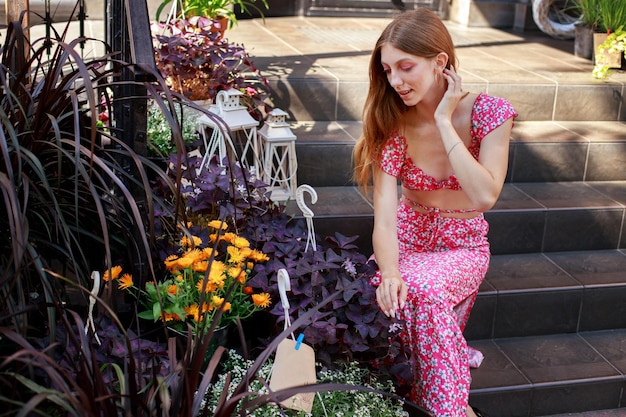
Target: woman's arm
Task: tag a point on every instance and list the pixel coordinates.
(392, 291)
(481, 180)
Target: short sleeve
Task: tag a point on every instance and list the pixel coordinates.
(490, 112)
(392, 155)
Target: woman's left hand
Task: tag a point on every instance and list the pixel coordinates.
(452, 96)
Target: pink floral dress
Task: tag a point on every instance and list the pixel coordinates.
(443, 260)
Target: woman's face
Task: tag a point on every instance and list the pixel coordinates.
(410, 76)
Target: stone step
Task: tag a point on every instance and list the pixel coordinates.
(550, 293)
(317, 69)
(548, 151)
(552, 374)
(528, 217)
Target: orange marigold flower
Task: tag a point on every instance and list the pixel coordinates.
(126, 281)
(185, 261)
(195, 255)
(258, 256)
(208, 252)
(213, 237)
(172, 289)
(210, 286)
(229, 237)
(217, 301)
(217, 271)
(206, 307)
(193, 312)
(200, 266)
(184, 225)
(234, 255)
(170, 317)
(112, 273)
(245, 252)
(217, 280)
(248, 290)
(241, 242)
(237, 274)
(262, 300)
(171, 263)
(190, 242)
(218, 224)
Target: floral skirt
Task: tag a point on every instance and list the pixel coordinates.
(443, 260)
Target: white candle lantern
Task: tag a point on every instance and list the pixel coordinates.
(279, 156)
(237, 118)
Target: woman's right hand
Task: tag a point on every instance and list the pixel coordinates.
(391, 294)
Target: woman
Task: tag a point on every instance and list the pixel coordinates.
(449, 150)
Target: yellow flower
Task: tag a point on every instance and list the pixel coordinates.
(193, 312)
(185, 261)
(197, 255)
(216, 280)
(217, 301)
(210, 286)
(218, 224)
(172, 289)
(245, 252)
(217, 271)
(170, 317)
(112, 273)
(262, 300)
(237, 274)
(200, 266)
(229, 237)
(126, 281)
(187, 242)
(207, 252)
(241, 242)
(234, 255)
(171, 263)
(258, 256)
(184, 225)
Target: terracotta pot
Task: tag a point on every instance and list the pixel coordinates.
(220, 24)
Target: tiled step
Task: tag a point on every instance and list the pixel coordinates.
(553, 374)
(528, 217)
(539, 152)
(550, 293)
(317, 69)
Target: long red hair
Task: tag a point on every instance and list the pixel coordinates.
(418, 32)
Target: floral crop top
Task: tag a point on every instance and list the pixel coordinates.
(488, 113)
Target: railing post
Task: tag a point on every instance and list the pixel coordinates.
(128, 32)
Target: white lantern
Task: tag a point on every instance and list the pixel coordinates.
(237, 119)
(279, 156)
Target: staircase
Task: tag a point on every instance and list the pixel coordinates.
(365, 8)
(550, 317)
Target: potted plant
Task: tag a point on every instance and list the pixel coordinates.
(609, 43)
(159, 133)
(589, 12)
(198, 63)
(223, 12)
(609, 53)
